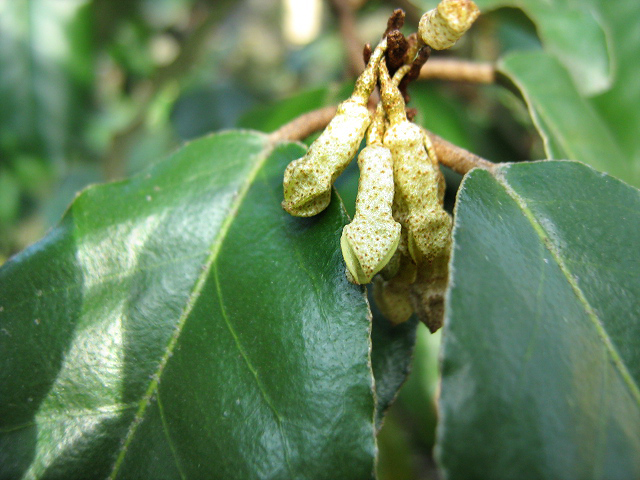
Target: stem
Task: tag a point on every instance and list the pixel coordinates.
(451, 156)
(458, 71)
(301, 127)
(457, 158)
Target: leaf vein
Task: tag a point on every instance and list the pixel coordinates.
(252, 369)
(195, 293)
(165, 428)
(593, 316)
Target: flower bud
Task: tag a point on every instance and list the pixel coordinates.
(417, 202)
(371, 239)
(307, 180)
(441, 27)
(393, 295)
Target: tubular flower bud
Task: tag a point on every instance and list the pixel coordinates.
(371, 239)
(428, 291)
(431, 151)
(441, 27)
(418, 197)
(307, 180)
(393, 296)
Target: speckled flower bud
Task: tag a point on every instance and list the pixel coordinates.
(418, 198)
(441, 27)
(371, 239)
(393, 295)
(307, 180)
(427, 293)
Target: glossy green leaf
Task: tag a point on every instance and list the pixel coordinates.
(181, 325)
(46, 58)
(541, 344)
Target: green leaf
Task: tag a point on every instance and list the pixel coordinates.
(541, 353)
(619, 106)
(573, 33)
(46, 58)
(568, 123)
(181, 325)
(391, 356)
(601, 130)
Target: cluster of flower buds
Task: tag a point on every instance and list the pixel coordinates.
(400, 229)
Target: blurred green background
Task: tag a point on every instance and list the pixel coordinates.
(97, 90)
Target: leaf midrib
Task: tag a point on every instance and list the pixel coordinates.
(610, 348)
(191, 301)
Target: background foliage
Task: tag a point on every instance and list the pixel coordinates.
(96, 90)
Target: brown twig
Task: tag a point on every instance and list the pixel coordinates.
(458, 71)
(301, 127)
(451, 156)
(457, 158)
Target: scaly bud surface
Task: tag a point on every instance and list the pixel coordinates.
(441, 27)
(307, 180)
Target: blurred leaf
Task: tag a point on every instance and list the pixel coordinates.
(47, 66)
(75, 178)
(571, 127)
(541, 353)
(601, 131)
(268, 118)
(444, 115)
(395, 456)
(418, 395)
(573, 32)
(181, 324)
(209, 109)
(513, 30)
(33, 174)
(130, 48)
(619, 106)
(9, 197)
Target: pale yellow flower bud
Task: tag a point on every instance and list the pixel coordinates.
(441, 27)
(418, 201)
(371, 239)
(393, 296)
(307, 180)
